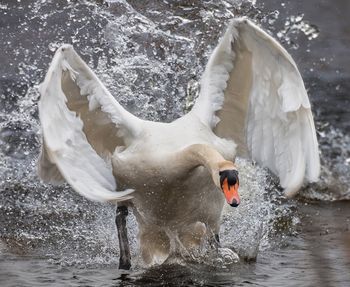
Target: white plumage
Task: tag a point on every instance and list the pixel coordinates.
(252, 92)
(252, 103)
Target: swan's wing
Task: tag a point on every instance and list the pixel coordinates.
(252, 92)
(82, 125)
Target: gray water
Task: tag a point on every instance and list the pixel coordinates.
(150, 55)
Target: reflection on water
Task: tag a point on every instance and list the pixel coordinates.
(150, 55)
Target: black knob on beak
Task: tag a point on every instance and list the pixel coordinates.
(234, 203)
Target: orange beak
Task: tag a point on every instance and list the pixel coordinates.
(231, 193)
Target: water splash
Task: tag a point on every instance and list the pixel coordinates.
(334, 181)
(151, 61)
(293, 26)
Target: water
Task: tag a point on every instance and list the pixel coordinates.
(151, 60)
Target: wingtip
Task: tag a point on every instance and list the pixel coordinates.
(291, 192)
(239, 20)
(65, 47)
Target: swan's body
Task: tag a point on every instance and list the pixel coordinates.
(252, 103)
(155, 166)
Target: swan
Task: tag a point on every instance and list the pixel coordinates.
(177, 176)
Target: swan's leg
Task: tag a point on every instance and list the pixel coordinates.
(154, 244)
(193, 234)
(124, 249)
(217, 238)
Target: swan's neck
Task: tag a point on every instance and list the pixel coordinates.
(204, 155)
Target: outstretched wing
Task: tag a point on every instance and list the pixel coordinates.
(82, 124)
(252, 92)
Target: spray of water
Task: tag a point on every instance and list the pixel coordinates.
(151, 61)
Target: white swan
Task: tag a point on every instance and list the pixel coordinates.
(252, 103)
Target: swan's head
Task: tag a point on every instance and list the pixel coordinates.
(229, 184)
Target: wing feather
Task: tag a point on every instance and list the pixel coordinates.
(253, 93)
(82, 125)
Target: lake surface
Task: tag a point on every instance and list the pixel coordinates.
(150, 55)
